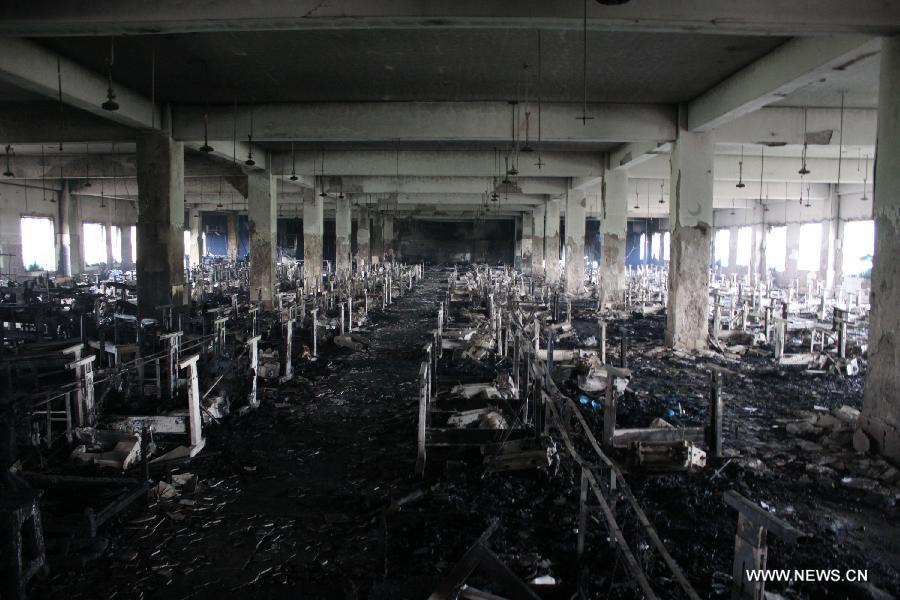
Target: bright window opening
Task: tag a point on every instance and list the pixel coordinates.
(643, 248)
(744, 246)
(722, 247)
(134, 244)
(776, 249)
(115, 238)
(858, 248)
(38, 245)
(667, 242)
(656, 246)
(187, 242)
(810, 247)
(94, 237)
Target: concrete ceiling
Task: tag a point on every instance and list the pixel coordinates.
(418, 65)
(411, 97)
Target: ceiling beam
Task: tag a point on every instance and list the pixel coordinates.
(634, 153)
(445, 185)
(788, 68)
(477, 122)
(777, 170)
(32, 67)
(135, 17)
(780, 125)
(440, 163)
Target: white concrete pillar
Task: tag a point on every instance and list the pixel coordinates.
(65, 220)
(194, 250)
(126, 244)
(576, 205)
(313, 232)
(376, 245)
(388, 239)
(613, 230)
(262, 213)
(232, 235)
(690, 222)
(881, 400)
(342, 227)
(160, 256)
(526, 245)
(538, 219)
(551, 241)
(363, 248)
(109, 253)
(792, 253)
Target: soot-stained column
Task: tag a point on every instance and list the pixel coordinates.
(160, 256)
(342, 227)
(613, 229)
(575, 223)
(690, 221)
(526, 245)
(881, 401)
(363, 250)
(313, 232)
(262, 213)
(551, 241)
(537, 240)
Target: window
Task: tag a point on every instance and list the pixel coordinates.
(643, 247)
(655, 249)
(94, 238)
(38, 245)
(744, 246)
(858, 248)
(115, 238)
(134, 244)
(187, 242)
(722, 247)
(776, 249)
(810, 247)
(667, 242)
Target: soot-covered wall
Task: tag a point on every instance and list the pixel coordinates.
(457, 241)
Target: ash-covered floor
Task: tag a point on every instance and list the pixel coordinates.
(314, 495)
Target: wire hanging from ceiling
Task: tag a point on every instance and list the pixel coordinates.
(110, 104)
(539, 162)
(584, 118)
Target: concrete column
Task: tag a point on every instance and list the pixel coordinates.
(363, 251)
(160, 263)
(343, 227)
(551, 241)
(194, 250)
(376, 246)
(109, 253)
(389, 241)
(63, 233)
(576, 204)
(792, 253)
(517, 241)
(690, 221)
(732, 251)
(232, 235)
(881, 400)
(125, 246)
(313, 232)
(758, 260)
(76, 249)
(613, 230)
(525, 247)
(538, 219)
(262, 213)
